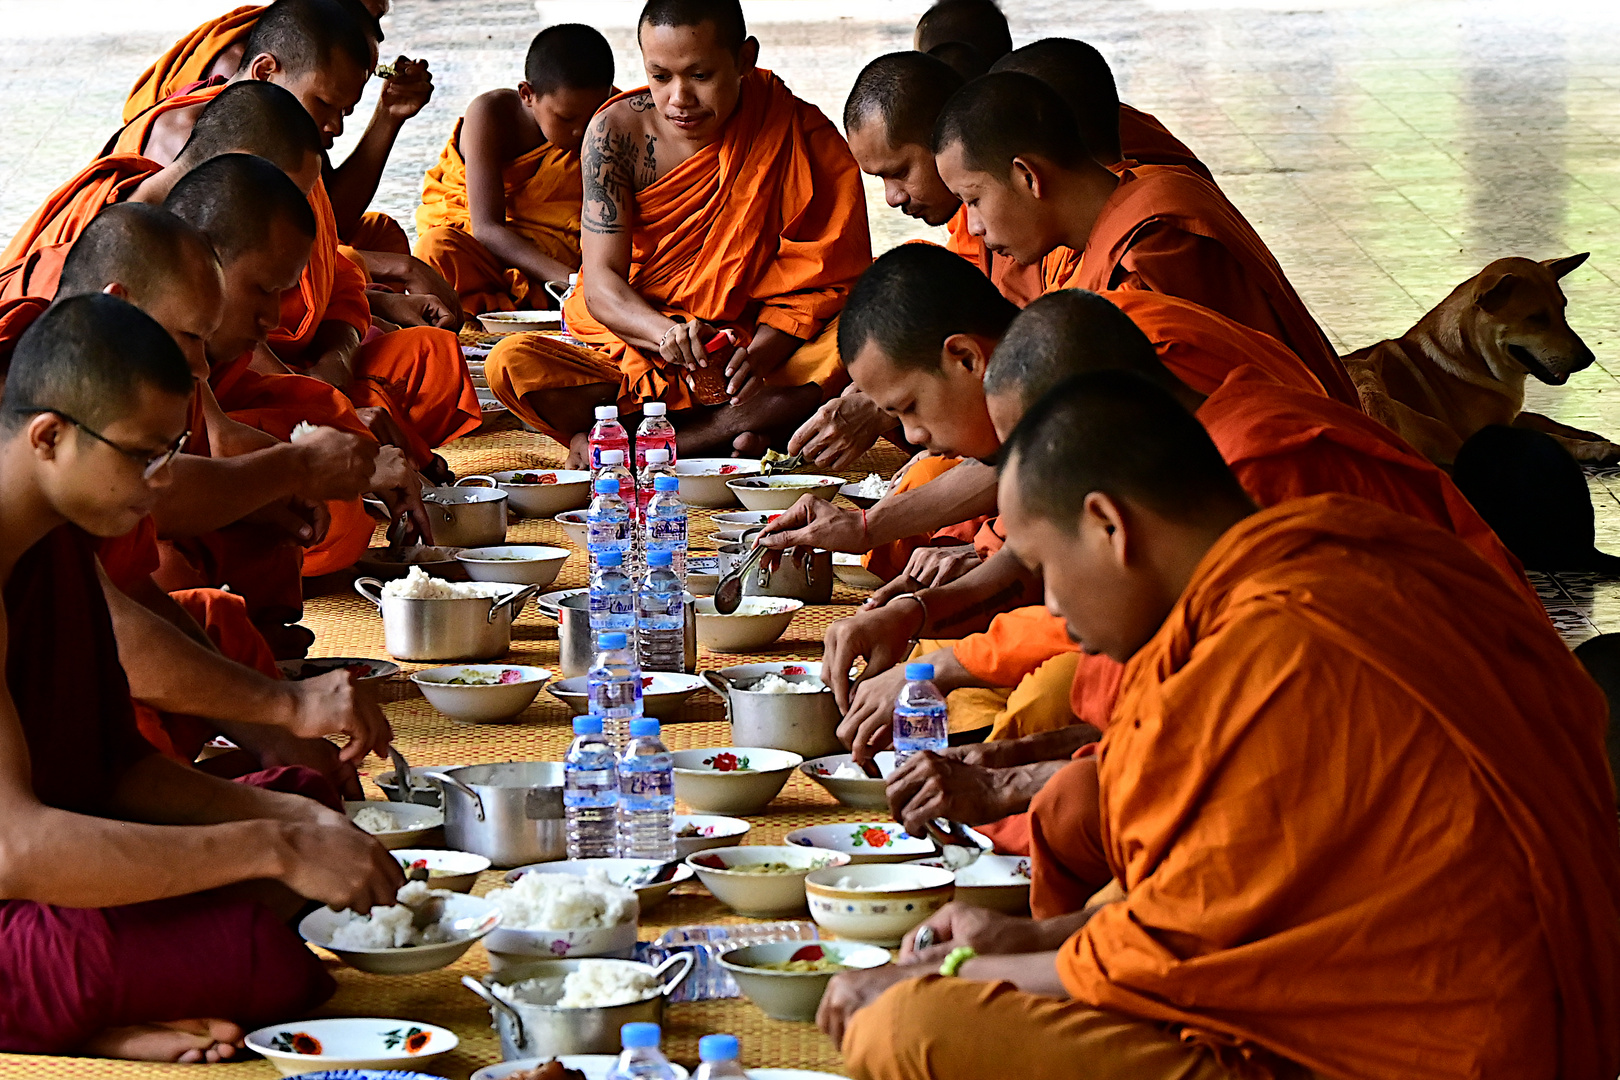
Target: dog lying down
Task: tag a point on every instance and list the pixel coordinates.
(1463, 366)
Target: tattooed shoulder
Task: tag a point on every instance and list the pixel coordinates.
(642, 102)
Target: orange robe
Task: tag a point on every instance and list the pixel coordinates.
(1167, 231)
(764, 227)
(189, 59)
(543, 194)
(889, 560)
(16, 316)
(1144, 140)
(61, 218)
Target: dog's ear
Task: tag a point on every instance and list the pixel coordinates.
(1494, 297)
(1560, 267)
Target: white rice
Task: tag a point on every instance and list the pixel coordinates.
(848, 771)
(598, 984)
(301, 429)
(418, 585)
(873, 487)
(563, 902)
(390, 927)
(775, 684)
(374, 819)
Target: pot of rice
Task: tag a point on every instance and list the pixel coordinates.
(556, 1007)
(427, 618)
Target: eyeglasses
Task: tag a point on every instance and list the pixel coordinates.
(151, 464)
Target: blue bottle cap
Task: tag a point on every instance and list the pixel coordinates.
(611, 557)
(660, 557)
(588, 725)
(717, 1048)
(614, 640)
(666, 483)
(607, 485)
(644, 726)
(919, 672)
(640, 1036)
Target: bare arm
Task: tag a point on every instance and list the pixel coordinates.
(967, 491)
(334, 346)
(486, 147)
(353, 184)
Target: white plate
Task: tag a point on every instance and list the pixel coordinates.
(594, 1066)
(864, 841)
(298, 670)
(517, 322)
(352, 1043)
(662, 692)
(474, 917)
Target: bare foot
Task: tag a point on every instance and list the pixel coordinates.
(189, 1042)
(749, 445)
(579, 452)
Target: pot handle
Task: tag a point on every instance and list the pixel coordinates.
(684, 959)
(465, 480)
(375, 596)
(516, 601)
(720, 685)
(495, 1003)
(446, 778)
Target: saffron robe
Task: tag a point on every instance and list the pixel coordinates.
(62, 216)
(188, 60)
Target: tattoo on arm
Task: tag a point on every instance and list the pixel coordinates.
(1006, 594)
(608, 169)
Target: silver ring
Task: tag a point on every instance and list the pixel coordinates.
(923, 939)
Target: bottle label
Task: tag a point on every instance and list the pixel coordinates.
(589, 778)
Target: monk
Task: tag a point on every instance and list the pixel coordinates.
(977, 23)
(500, 211)
(1281, 728)
(1011, 149)
(715, 200)
(144, 903)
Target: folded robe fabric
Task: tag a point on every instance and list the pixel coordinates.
(188, 60)
(1356, 793)
(1168, 231)
(63, 215)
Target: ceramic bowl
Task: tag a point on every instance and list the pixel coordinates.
(877, 903)
(781, 492)
(412, 821)
(702, 574)
(703, 480)
(594, 1066)
(708, 831)
(999, 882)
(456, 871)
(618, 871)
(530, 494)
(424, 792)
(518, 322)
(793, 995)
(549, 602)
(865, 841)
(474, 917)
(514, 564)
(575, 527)
(848, 569)
(360, 668)
(508, 947)
(303, 1046)
(757, 622)
(738, 522)
(860, 793)
(387, 564)
(731, 779)
(481, 704)
(662, 692)
(761, 896)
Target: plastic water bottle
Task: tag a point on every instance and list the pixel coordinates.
(646, 795)
(607, 522)
(655, 433)
(591, 792)
(613, 464)
(665, 524)
(614, 687)
(641, 1059)
(719, 1056)
(660, 616)
(613, 597)
(919, 715)
(608, 434)
(657, 464)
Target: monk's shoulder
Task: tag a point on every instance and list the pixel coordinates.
(632, 114)
(497, 120)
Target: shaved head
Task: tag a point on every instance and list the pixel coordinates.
(1085, 82)
(978, 23)
(258, 118)
(570, 56)
(1067, 333)
(963, 58)
(906, 91)
(912, 298)
(1007, 115)
(235, 199)
(143, 248)
(304, 35)
(726, 15)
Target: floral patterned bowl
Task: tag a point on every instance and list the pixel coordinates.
(865, 841)
(732, 779)
(509, 947)
(700, 832)
(877, 903)
(307, 1046)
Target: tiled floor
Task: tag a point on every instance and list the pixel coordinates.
(1385, 151)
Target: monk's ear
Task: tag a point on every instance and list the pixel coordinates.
(262, 67)
(968, 352)
(1025, 177)
(526, 94)
(748, 56)
(1560, 267)
(115, 289)
(1102, 520)
(45, 435)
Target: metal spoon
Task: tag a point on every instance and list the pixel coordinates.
(768, 467)
(654, 875)
(402, 775)
(728, 595)
(957, 849)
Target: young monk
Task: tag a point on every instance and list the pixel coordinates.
(715, 201)
(500, 211)
(978, 23)
(144, 903)
(1010, 148)
(1356, 837)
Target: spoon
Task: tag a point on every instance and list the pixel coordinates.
(654, 875)
(769, 467)
(728, 595)
(402, 776)
(957, 849)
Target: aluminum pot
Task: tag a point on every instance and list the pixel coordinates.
(805, 724)
(467, 516)
(471, 628)
(542, 1031)
(801, 576)
(510, 813)
(578, 645)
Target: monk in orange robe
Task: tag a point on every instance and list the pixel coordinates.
(500, 211)
(1011, 148)
(1281, 727)
(717, 204)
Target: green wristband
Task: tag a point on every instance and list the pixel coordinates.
(955, 959)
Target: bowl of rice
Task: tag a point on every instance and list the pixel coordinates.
(781, 492)
(394, 824)
(481, 693)
(703, 480)
(845, 781)
(577, 1006)
(621, 872)
(878, 902)
(543, 493)
(758, 881)
(561, 915)
(515, 564)
(787, 979)
(731, 779)
(865, 492)
(757, 622)
(386, 941)
(425, 618)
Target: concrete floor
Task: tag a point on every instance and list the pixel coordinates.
(1386, 152)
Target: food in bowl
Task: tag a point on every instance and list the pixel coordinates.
(775, 684)
(715, 862)
(533, 478)
(872, 487)
(417, 585)
(471, 677)
(601, 984)
(848, 771)
(808, 958)
(394, 926)
(548, 1070)
(374, 819)
(563, 902)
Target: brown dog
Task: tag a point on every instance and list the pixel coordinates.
(1463, 366)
